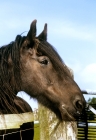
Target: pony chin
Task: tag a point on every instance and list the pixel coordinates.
(66, 116)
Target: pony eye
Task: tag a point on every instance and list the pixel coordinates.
(45, 62)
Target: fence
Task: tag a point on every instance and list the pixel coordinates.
(52, 129)
(87, 123)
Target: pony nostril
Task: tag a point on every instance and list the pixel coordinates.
(78, 105)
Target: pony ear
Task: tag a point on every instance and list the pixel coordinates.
(32, 32)
(43, 34)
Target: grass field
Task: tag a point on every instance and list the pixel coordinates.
(36, 132)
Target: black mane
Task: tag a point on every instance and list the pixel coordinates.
(9, 65)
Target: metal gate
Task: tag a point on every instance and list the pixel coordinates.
(87, 124)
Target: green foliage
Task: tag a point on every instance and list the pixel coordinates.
(92, 101)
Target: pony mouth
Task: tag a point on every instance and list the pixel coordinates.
(66, 116)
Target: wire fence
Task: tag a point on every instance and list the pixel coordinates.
(48, 127)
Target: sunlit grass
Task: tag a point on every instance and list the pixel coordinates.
(36, 132)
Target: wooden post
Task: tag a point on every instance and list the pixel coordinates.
(52, 129)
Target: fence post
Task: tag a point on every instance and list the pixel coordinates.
(52, 129)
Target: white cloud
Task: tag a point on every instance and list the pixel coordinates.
(85, 76)
(89, 73)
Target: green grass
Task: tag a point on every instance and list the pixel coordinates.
(36, 132)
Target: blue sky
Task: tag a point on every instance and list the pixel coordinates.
(71, 30)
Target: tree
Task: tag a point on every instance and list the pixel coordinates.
(92, 101)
